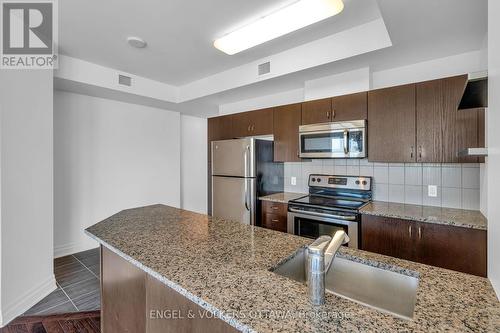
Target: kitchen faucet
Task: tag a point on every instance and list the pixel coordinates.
(320, 255)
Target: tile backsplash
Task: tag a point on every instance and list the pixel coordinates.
(458, 185)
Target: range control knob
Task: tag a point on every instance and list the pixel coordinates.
(313, 179)
(357, 182)
(364, 182)
(319, 180)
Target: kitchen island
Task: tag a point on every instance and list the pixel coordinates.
(223, 269)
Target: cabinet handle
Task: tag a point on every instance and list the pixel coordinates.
(409, 230)
(253, 128)
(419, 152)
(412, 151)
(274, 220)
(328, 114)
(333, 114)
(249, 127)
(274, 207)
(419, 232)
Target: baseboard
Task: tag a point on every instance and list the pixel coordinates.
(70, 248)
(26, 301)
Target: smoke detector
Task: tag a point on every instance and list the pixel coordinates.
(137, 42)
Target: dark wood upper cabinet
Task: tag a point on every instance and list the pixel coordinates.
(410, 123)
(350, 107)
(481, 132)
(317, 111)
(391, 124)
(466, 134)
(252, 123)
(443, 130)
(219, 128)
(429, 121)
(452, 126)
(287, 120)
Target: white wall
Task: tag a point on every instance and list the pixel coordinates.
(194, 164)
(109, 156)
(26, 149)
(493, 163)
(287, 97)
(337, 85)
(469, 62)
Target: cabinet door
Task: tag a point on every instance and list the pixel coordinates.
(350, 107)
(391, 124)
(429, 97)
(466, 135)
(481, 132)
(391, 237)
(259, 122)
(241, 124)
(286, 133)
(262, 122)
(317, 111)
(453, 127)
(219, 128)
(456, 248)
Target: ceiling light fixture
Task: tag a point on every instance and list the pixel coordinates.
(281, 22)
(137, 42)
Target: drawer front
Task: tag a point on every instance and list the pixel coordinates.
(274, 222)
(274, 207)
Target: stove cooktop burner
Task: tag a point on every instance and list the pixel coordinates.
(330, 202)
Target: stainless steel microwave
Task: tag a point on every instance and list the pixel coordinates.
(345, 139)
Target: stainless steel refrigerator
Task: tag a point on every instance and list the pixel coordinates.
(243, 170)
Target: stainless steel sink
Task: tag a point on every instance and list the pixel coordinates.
(381, 289)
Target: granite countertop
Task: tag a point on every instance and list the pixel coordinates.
(224, 267)
(457, 217)
(282, 197)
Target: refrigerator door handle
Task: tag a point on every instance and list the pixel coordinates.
(246, 195)
(245, 160)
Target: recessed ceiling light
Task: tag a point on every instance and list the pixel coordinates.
(281, 22)
(137, 42)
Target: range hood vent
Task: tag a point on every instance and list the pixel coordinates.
(475, 94)
(479, 152)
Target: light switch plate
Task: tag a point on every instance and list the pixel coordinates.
(432, 191)
(293, 180)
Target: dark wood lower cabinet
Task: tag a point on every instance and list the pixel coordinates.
(387, 236)
(274, 215)
(455, 248)
(134, 301)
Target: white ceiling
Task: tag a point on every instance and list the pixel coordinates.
(180, 34)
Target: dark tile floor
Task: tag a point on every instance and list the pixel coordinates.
(77, 278)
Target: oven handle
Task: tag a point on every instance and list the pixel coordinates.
(338, 217)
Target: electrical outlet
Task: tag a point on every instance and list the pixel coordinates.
(432, 191)
(293, 180)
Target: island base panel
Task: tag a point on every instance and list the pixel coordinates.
(134, 301)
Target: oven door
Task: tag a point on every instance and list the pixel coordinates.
(313, 225)
(332, 143)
